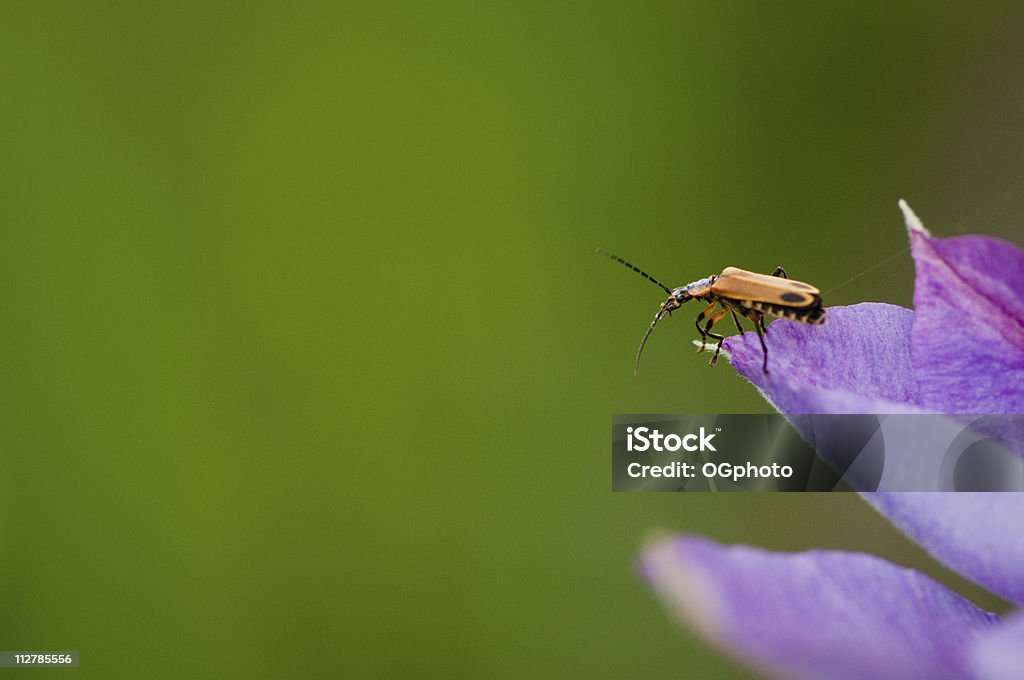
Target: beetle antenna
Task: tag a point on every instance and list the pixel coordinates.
(639, 271)
(650, 329)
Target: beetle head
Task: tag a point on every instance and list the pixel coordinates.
(676, 300)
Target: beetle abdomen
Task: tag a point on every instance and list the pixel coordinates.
(812, 315)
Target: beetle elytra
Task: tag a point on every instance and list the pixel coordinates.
(739, 293)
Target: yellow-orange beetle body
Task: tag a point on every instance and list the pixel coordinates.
(740, 293)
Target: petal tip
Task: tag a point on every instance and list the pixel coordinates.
(911, 219)
(689, 596)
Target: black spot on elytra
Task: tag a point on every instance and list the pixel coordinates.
(793, 297)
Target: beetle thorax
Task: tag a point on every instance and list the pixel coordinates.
(700, 288)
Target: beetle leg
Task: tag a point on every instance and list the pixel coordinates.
(707, 329)
(758, 320)
(779, 271)
(737, 320)
(703, 334)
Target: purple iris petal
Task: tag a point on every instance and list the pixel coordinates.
(857, 362)
(960, 351)
(818, 614)
(968, 353)
(979, 535)
(968, 335)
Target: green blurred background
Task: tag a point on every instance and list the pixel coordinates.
(308, 364)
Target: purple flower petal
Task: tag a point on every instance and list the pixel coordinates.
(960, 351)
(977, 534)
(818, 614)
(968, 334)
(857, 362)
(999, 654)
(968, 353)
